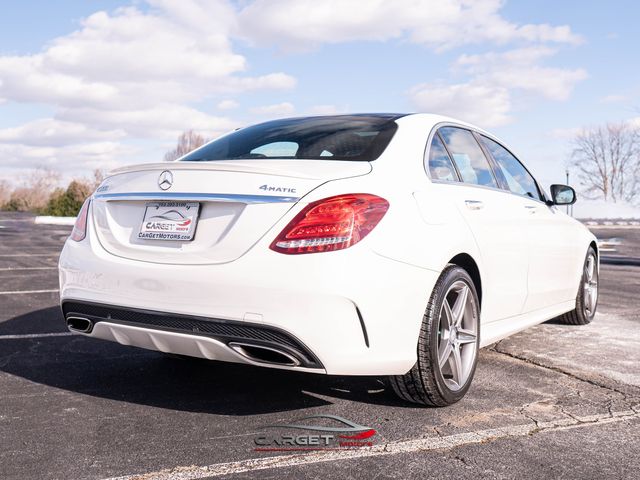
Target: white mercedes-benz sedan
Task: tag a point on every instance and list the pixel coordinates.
(375, 244)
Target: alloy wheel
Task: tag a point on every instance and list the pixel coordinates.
(457, 335)
(590, 286)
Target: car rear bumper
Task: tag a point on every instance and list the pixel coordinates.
(209, 338)
(349, 312)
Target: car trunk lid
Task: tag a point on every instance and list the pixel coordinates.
(238, 203)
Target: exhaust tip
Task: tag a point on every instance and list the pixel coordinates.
(262, 354)
(79, 324)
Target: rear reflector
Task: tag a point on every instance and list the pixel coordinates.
(80, 228)
(333, 223)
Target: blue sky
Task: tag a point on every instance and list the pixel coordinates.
(98, 84)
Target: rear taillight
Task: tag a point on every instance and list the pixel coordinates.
(80, 227)
(333, 223)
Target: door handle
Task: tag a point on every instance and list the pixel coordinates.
(531, 208)
(474, 204)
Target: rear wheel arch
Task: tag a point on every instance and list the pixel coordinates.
(437, 379)
(466, 261)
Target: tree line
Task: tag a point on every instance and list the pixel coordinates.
(39, 192)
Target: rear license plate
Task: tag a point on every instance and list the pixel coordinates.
(169, 221)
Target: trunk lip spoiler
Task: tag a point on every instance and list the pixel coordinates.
(219, 197)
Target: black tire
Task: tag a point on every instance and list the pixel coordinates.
(583, 313)
(425, 383)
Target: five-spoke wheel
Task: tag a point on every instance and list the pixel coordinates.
(457, 336)
(590, 285)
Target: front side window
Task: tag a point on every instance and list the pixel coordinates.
(440, 165)
(340, 137)
(519, 180)
(468, 156)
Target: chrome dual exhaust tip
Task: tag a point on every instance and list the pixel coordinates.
(79, 324)
(262, 354)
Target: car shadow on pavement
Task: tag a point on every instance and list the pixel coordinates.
(558, 321)
(109, 370)
(44, 320)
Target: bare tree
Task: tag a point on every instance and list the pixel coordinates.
(98, 176)
(5, 192)
(187, 142)
(34, 193)
(607, 160)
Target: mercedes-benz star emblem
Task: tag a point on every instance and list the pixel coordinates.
(165, 180)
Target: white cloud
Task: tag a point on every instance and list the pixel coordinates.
(572, 132)
(327, 110)
(565, 133)
(68, 159)
(275, 81)
(141, 72)
(50, 132)
(495, 80)
(277, 110)
(128, 58)
(520, 69)
(227, 104)
(614, 98)
(475, 103)
(441, 24)
(130, 74)
(161, 121)
(487, 93)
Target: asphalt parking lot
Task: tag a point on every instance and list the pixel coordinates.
(554, 401)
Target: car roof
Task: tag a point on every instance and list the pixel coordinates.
(343, 116)
(426, 118)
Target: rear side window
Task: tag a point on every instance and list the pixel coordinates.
(440, 165)
(340, 137)
(519, 180)
(468, 156)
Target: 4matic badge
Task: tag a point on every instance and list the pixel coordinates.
(272, 188)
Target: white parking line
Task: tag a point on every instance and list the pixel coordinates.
(30, 254)
(9, 269)
(392, 448)
(18, 292)
(35, 335)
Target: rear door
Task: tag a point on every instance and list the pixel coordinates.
(237, 203)
(461, 172)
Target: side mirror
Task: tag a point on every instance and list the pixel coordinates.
(563, 195)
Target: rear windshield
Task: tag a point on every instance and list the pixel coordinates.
(354, 137)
